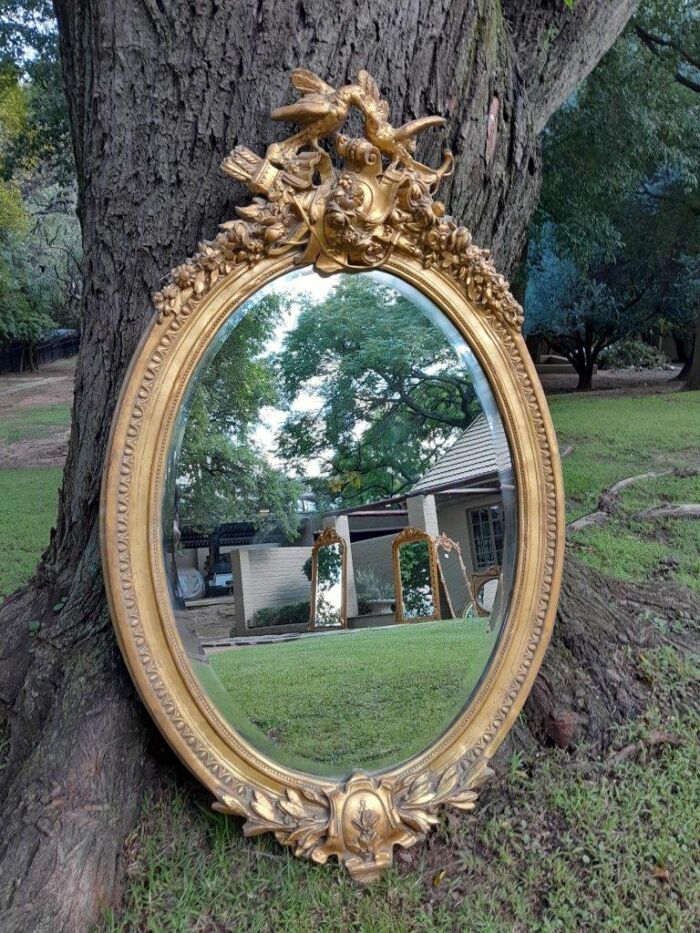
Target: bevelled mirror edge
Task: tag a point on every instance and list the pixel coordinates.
(318, 817)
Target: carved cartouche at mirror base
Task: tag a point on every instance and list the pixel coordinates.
(376, 211)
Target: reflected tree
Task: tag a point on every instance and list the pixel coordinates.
(416, 589)
(387, 393)
(223, 473)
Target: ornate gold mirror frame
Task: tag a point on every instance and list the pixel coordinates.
(448, 545)
(328, 537)
(376, 210)
(411, 536)
(476, 582)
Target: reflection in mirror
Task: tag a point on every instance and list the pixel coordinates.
(328, 581)
(416, 576)
(338, 466)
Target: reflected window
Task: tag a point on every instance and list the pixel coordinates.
(487, 536)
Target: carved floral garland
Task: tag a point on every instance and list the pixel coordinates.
(353, 217)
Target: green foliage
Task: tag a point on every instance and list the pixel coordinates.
(370, 585)
(223, 473)
(289, 614)
(621, 189)
(391, 391)
(633, 354)
(416, 591)
(329, 563)
(39, 237)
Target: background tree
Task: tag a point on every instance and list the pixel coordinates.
(621, 193)
(39, 233)
(223, 473)
(158, 94)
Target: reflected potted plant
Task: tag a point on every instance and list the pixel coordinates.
(373, 593)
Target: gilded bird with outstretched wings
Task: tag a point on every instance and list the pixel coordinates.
(397, 143)
(321, 110)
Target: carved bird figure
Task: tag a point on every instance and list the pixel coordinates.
(321, 110)
(397, 143)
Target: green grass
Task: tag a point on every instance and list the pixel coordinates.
(32, 422)
(618, 437)
(613, 438)
(333, 702)
(29, 499)
(635, 550)
(561, 845)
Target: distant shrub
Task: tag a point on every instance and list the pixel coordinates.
(633, 354)
(289, 614)
(370, 585)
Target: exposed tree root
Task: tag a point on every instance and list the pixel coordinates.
(632, 751)
(609, 501)
(593, 678)
(668, 510)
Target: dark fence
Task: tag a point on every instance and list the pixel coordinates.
(14, 357)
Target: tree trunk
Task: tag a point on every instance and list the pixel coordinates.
(593, 676)
(158, 93)
(585, 376)
(693, 371)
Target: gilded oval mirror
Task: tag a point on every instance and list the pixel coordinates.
(326, 461)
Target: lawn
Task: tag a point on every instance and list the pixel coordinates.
(561, 844)
(28, 494)
(32, 422)
(614, 438)
(29, 498)
(332, 702)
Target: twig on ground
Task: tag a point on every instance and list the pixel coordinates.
(634, 749)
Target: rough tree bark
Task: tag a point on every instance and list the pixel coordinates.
(159, 91)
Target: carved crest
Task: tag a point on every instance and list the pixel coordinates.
(378, 201)
(360, 822)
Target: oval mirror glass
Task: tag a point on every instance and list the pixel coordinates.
(339, 522)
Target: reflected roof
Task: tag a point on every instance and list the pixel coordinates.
(472, 455)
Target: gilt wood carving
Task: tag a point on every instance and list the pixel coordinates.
(353, 217)
(372, 206)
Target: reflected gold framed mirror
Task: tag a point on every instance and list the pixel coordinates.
(328, 581)
(338, 367)
(414, 557)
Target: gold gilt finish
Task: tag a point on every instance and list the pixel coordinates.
(449, 545)
(376, 210)
(410, 536)
(476, 581)
(327, 537)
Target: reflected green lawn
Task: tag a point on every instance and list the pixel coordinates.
(360, 699)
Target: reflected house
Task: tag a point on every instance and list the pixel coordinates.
(460, 497)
